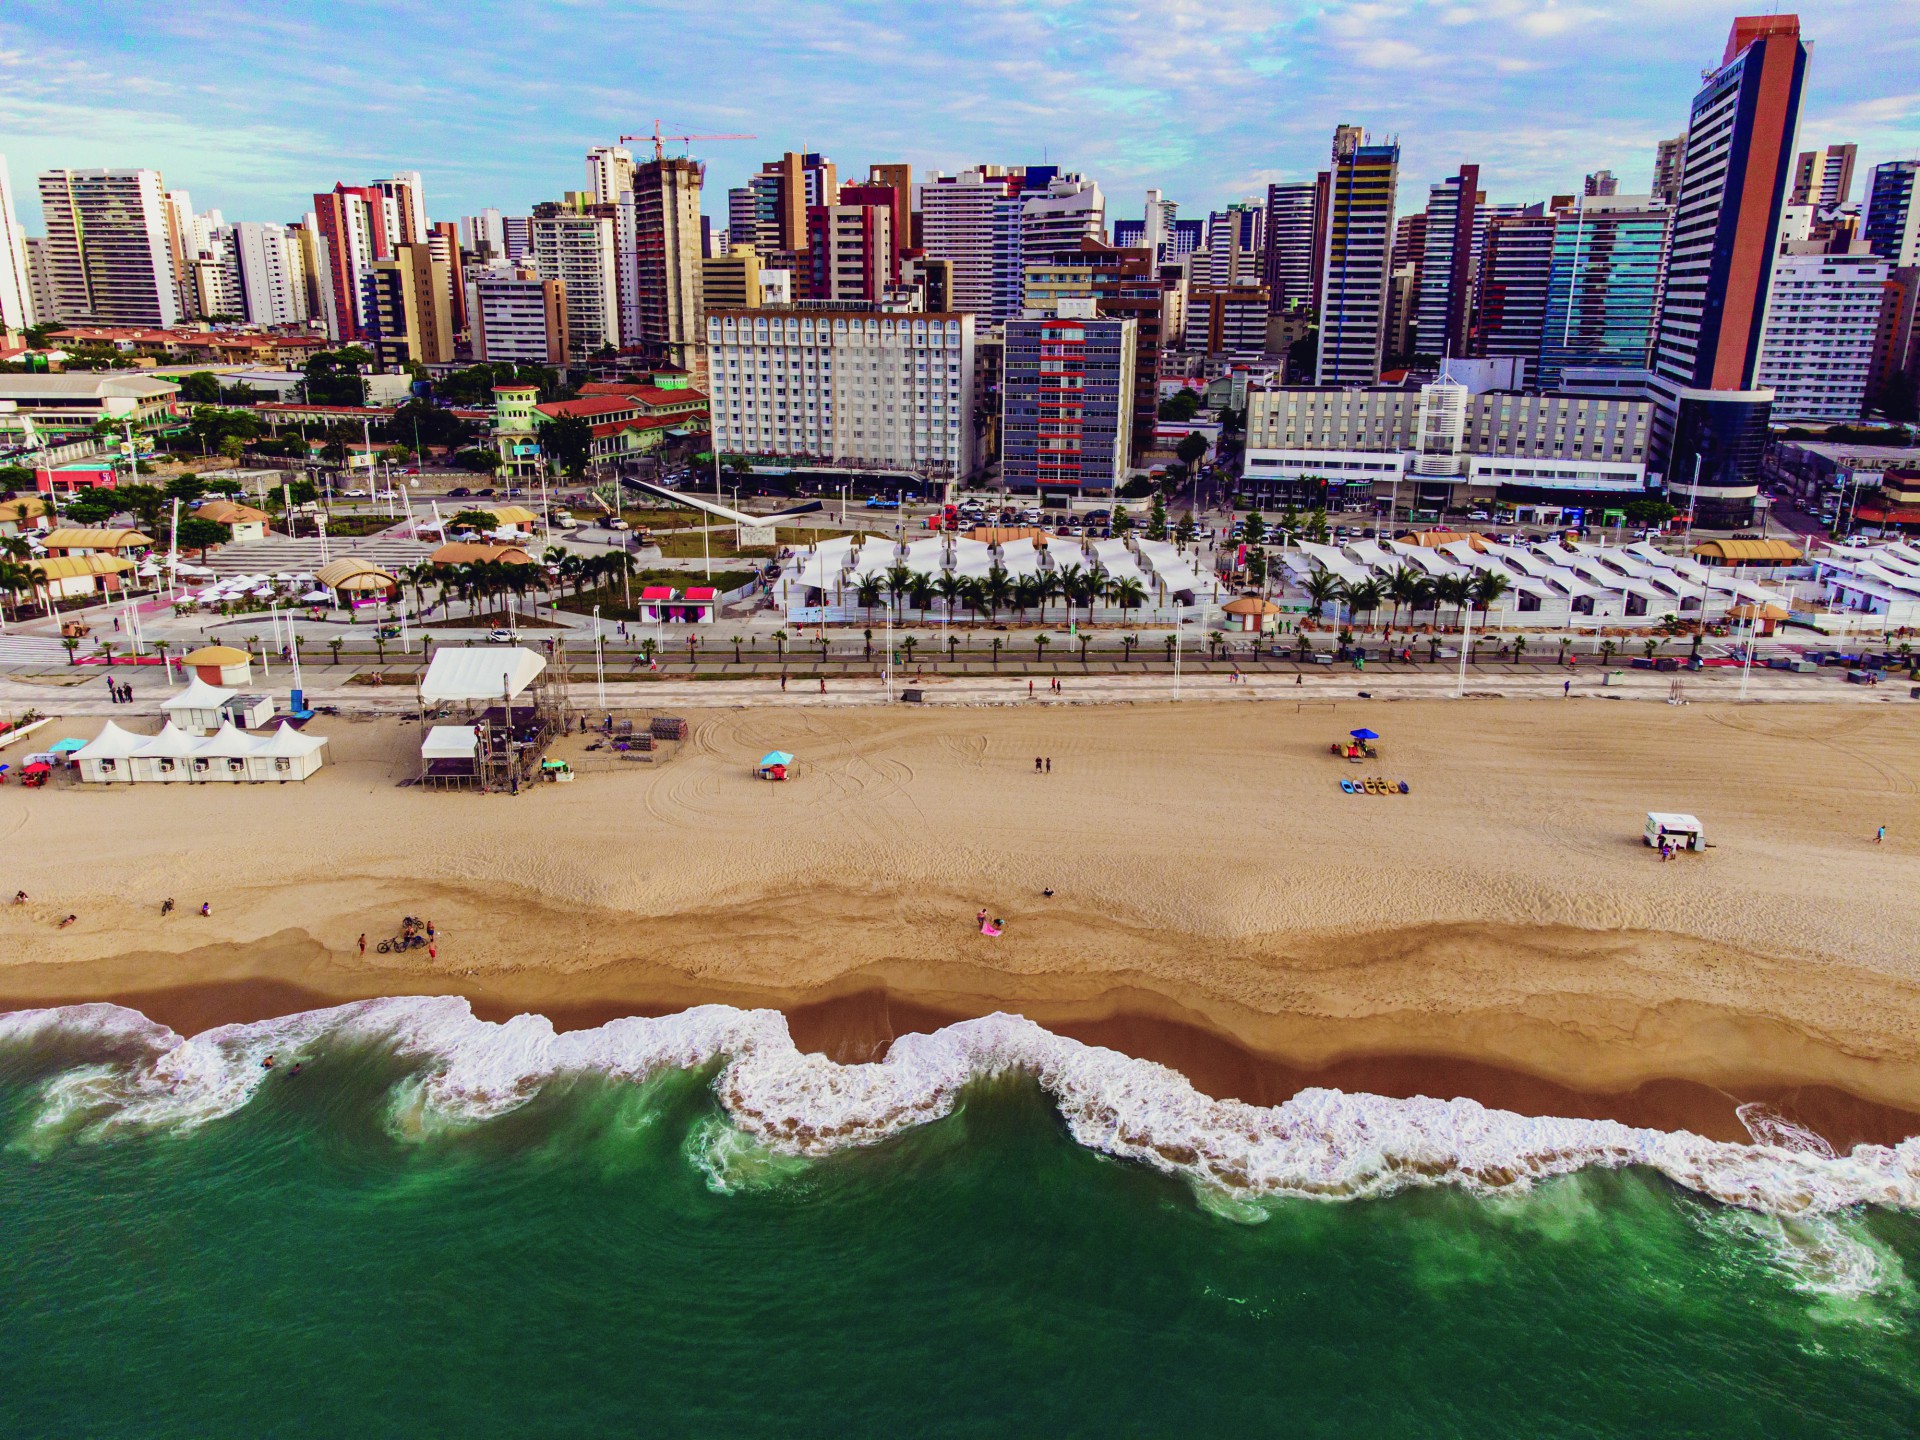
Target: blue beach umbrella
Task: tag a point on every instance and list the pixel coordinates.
(1363, 735)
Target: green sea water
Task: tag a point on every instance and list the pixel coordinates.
(616, 1258)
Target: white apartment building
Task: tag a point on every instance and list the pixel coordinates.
(270, 265)
(16, 288)
(108, 256)
(1816, 344)
(1051, 222)
(850, 250)
(959, 219)
(849, 386)
(578, 251)
(44, 303)
(609, 173)
(515, 316)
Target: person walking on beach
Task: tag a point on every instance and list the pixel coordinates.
(363, 942)
(1036, 764)
(1029, 689)
(1049, 764)
(1880, 835)
(206, 909)
(1566, 689)
(433, 951)
(823, 684)
(783, 684)
(981, 918)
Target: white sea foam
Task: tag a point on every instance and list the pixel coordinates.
(1321, 1144)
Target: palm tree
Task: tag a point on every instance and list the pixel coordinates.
(1040, 643)
(1607, 647)
(899, 578)
(1321, 587)
(334, 645)
(1454, 590)
(1362, 597)
(1489, 586)
(1067, 581)
(1403, 588)
(1046, 585)
(920, 591)
(973, 595)
(779, 646)
(1128, 593)
(738, 641)
(868, 591)
(950, 588)
(71, 644)
(14, 578)
(996, 588)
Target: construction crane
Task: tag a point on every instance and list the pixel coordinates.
(659, 146)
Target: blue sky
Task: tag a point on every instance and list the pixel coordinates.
(252, 107)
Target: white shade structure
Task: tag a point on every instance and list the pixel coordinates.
(287, 754)
(480, 673)
(451, 742)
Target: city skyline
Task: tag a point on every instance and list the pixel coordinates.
(252, 112)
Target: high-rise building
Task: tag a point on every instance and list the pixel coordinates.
(443, 240)
(272, 274)
(1353, 289)
(958, 215)
(577, 249)
(1403, 303)
(412, 308)
(1511, 293)
(516, 317)
(1055, 211)
(1235, 250)
(1230, 320)
(16, 288)
(1823, 178)
(1896, 345)
(1669, 162)
(666, 260)
(1446, 264)
(1067, 401)
(781, 193)
(932, 278)
(516, 236)
(485, 236)
(1125, 284)
(351, 233)
(1604, 289)
(1817, 346)
(849, 251)
(1602, 182)
(1188, 236)
(405, 208)
(1720, 263)
(731, 281)
(609, 173)
(899, 179)
(852, 385)
(886, 198)
(1288, 271)
(108, 256)
(1893, 212)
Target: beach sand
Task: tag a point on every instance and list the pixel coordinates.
(1220, 905)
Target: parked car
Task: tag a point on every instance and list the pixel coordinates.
(458, 492)
(486, 494)
(502, 637)
(1477, 515)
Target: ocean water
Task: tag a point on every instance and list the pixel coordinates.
(684, 1227)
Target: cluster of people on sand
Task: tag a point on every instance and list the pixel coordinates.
(1043, 764)
(166, 908)
(119, 694)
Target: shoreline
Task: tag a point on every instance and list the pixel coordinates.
(860, 1026)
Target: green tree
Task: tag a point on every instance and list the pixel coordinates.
(483, 520)
(1183, 529)
(334, 378)
(1122, 522)
(567, 440)
(200, 388)
(1181, 406)
(1256, 528)
(1157, 517)
(196, 534)
(1191, 448)
(1321, 587)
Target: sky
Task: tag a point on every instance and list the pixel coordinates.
(252, 107)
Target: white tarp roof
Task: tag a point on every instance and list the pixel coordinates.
(172, 743)
(450, 742)
(198, 696)
(227, 743)
(112, 743)
(480, 672)
(289, 741)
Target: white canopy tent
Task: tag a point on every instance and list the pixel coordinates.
(451, 742)
(197, 708)
(107, 756)
(165, 756)
(480, 673)
(287, 754)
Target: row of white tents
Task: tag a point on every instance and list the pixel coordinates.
(1549, 584)
(228, 755)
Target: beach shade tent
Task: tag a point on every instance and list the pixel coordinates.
(1250, 613)
(107, 757)
(224, 756)
(197, 709)
(166, 756)
(1363, 734)
(774, 765)
(466, 674)
(287, 754)
(220, 664)
(1683, 832)
(352, 580)
(450, 752)
(65, 748)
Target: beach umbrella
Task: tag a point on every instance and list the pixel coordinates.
(39, 767)
(60, 747)
(1363, 734)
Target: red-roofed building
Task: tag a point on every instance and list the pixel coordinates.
(626, 416)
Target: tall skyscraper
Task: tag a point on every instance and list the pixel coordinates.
(1893, 212)
(1824, 178)
(351, 234)
(666, 260)
(1446, 265)
(1604, 286)
(1353, 289)
(16, 288)
(1067, 401)
(577, 249)
(108, 254)
(1511, 295)
(405, 208)
(899, 179)
(1288, 271)
(609, 173)
(1669, 162)
(958, 215)
(412, 308)
(1739, 165)
(1602, 182)
(849, 251)
(1817, 347)
(989, 219)
(273, 288)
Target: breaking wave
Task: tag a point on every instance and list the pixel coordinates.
(786, 1104)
